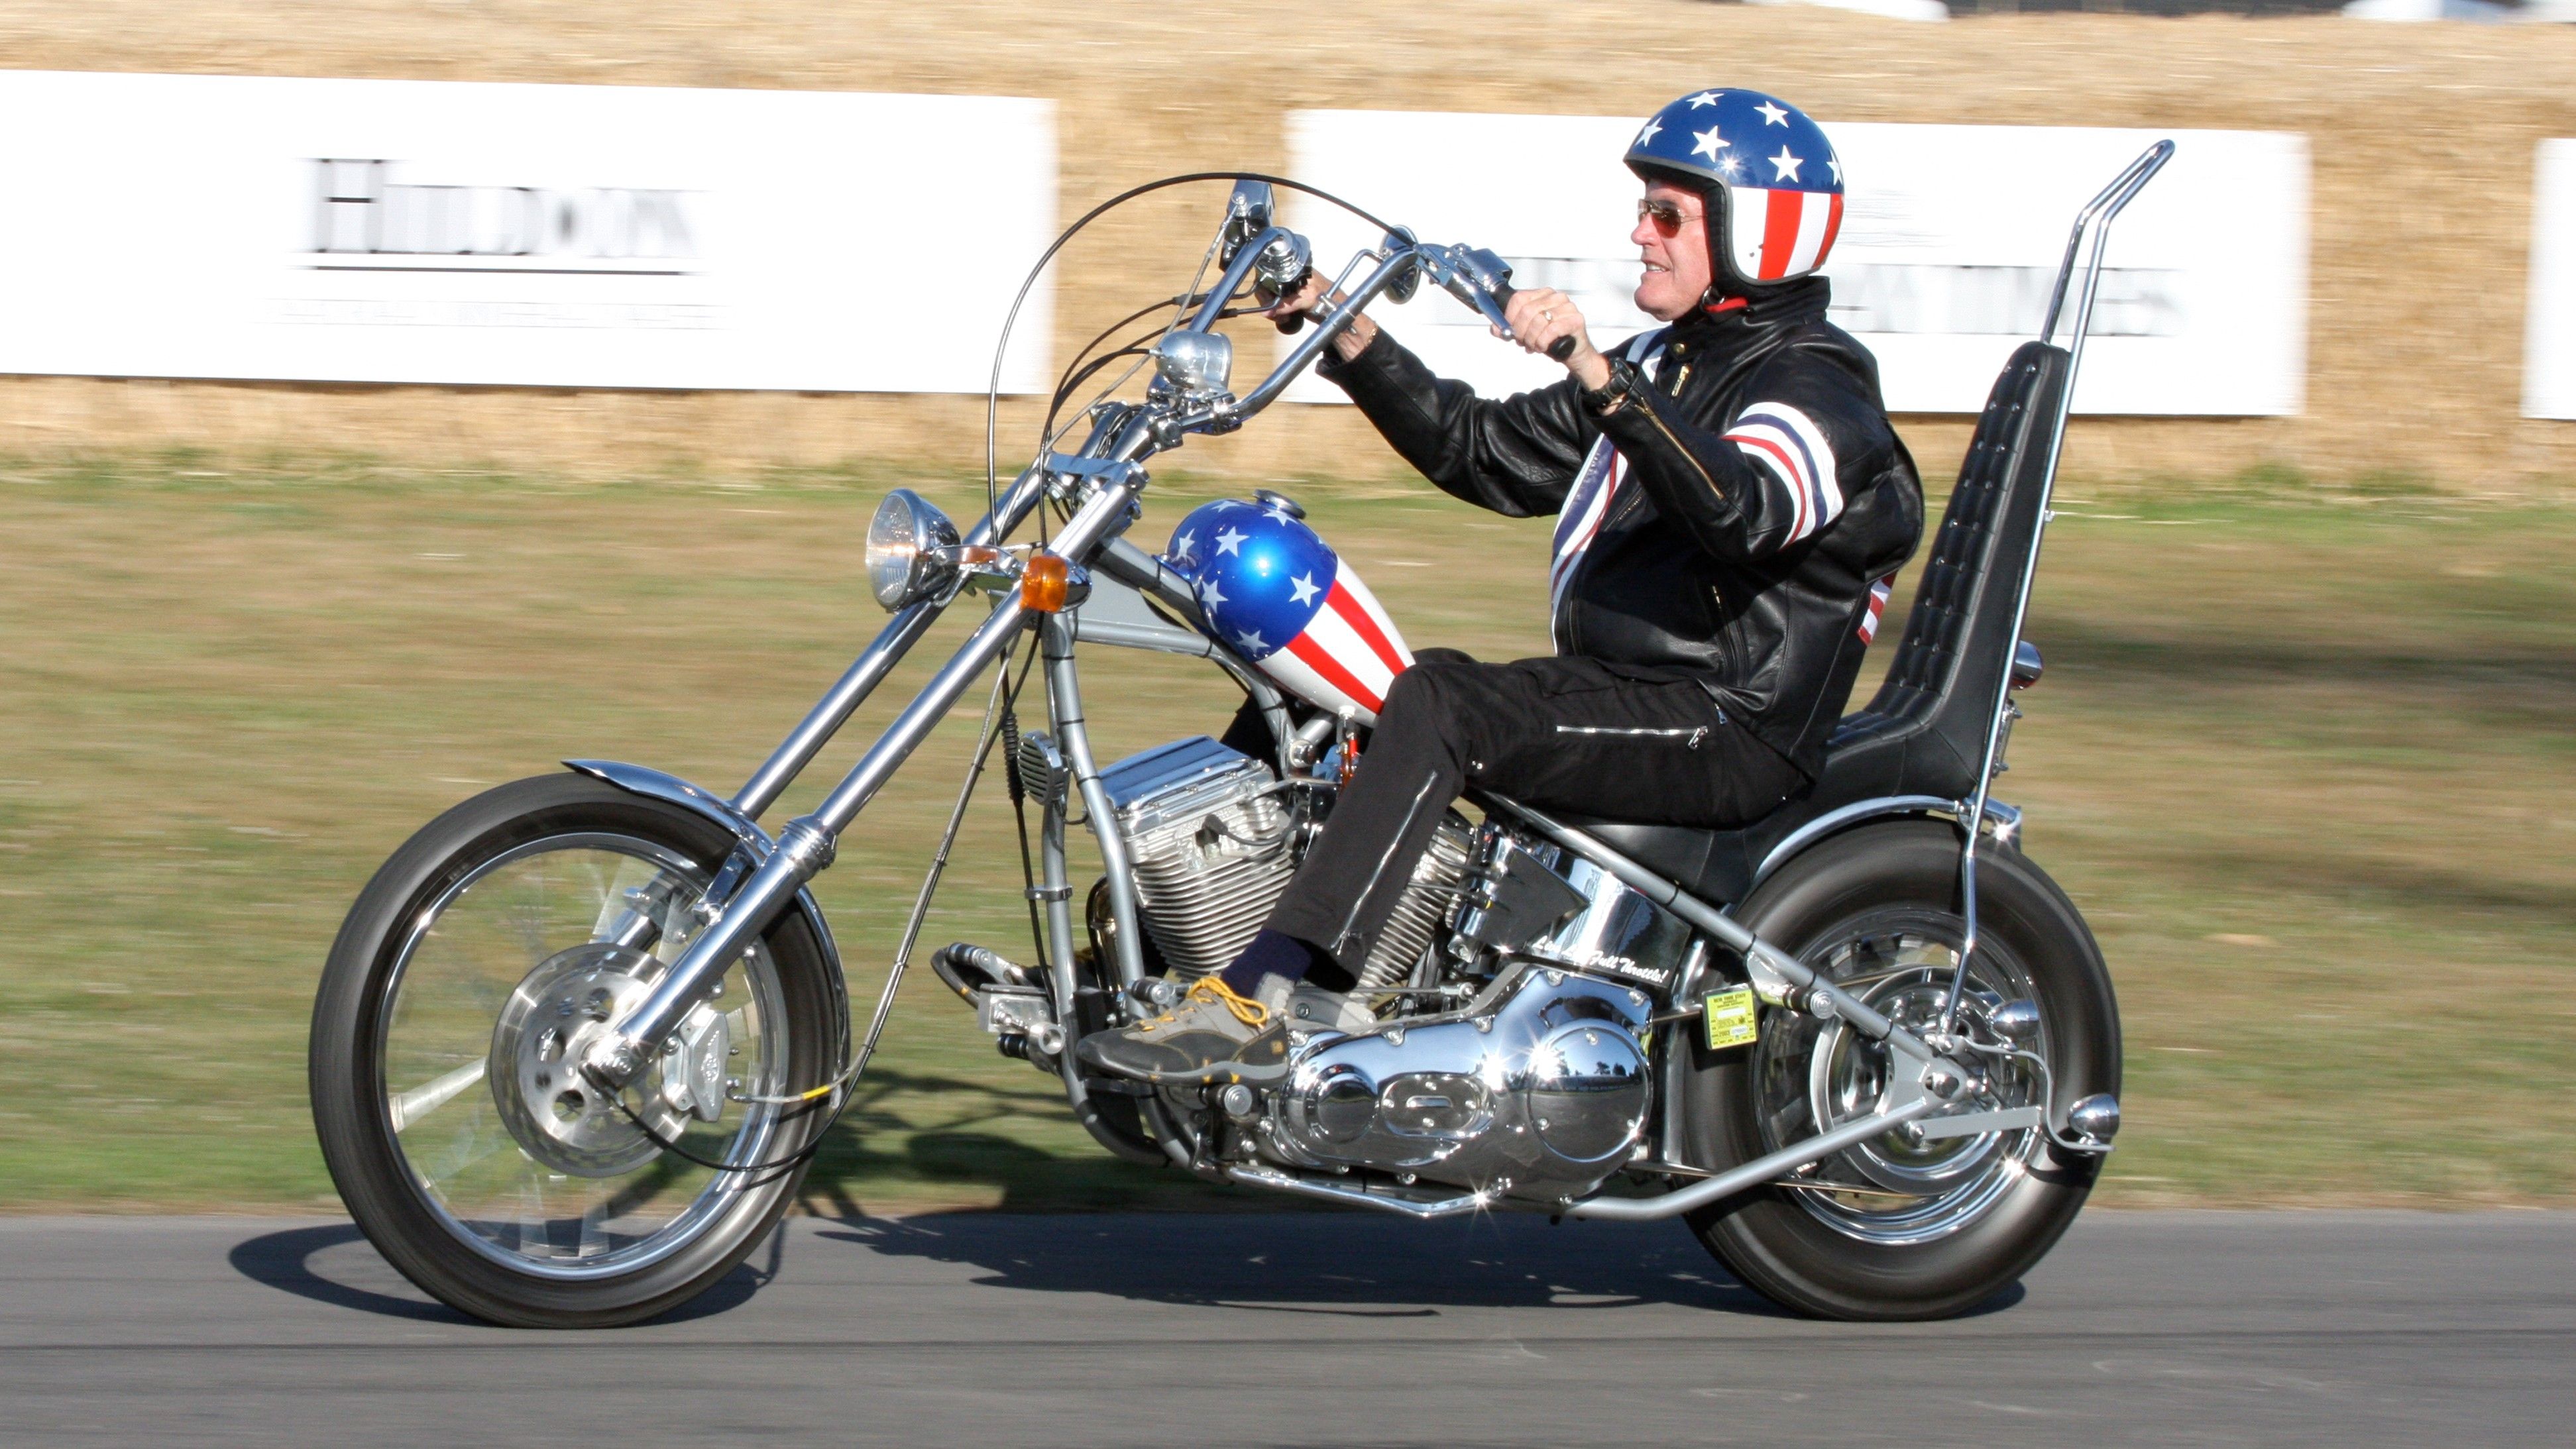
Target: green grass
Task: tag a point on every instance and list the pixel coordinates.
(2302, 755)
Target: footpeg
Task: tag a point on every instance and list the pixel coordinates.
(1008, 1001)
(969, 968)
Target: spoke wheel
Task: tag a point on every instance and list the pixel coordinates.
(471, 976)
(1901, 1226)
(502, 984)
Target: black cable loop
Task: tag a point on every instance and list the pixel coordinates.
(1010, 320)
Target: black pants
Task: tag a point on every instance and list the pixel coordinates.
(1555, 734)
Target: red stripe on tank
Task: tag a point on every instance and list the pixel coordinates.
(1315, 657)
(1356, 614)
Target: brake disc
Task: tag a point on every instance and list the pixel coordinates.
(562, 1120)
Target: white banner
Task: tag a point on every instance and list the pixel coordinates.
(1951, 240)
(541, 235)
(2549, 338)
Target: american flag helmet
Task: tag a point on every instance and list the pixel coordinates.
(1773, 184)
(1272, 591)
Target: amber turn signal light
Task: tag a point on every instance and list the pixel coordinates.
(1043, 583)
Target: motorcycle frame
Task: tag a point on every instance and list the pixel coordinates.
(1102, 483)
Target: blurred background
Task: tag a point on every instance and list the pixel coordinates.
(2301, 755)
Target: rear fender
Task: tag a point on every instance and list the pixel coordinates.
(671, 789)
(2003, 824)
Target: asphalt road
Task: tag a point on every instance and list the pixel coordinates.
(1308, 1329)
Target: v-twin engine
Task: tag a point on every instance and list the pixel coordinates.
(1214, 836)
(1537, 1090)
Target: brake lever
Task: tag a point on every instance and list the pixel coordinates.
(1483, 281)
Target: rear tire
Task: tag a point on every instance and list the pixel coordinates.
(1879, 1255)
(440, 1168)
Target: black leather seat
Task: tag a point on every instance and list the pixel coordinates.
(1925, 732)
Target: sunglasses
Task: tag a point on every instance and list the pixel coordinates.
(1668, 218)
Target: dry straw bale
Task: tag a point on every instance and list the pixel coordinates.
(2423, 139)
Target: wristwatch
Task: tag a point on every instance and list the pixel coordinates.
(1610, 396)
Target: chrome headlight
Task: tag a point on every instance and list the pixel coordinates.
(905, 543)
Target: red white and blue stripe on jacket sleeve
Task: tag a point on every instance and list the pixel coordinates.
(1795, 460)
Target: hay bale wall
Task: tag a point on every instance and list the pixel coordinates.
(2422, 135)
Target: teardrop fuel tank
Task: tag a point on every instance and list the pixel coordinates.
(1271, 590)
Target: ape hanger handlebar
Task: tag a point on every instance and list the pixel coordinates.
(1276, 262)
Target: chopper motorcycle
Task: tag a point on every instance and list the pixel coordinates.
(579, 1037)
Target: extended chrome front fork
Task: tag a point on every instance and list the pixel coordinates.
(806, 846)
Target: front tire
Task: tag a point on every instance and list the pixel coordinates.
(470, 1154)
(1931, 1229)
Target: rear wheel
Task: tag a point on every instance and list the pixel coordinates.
(468, 979)
(1898, 1228)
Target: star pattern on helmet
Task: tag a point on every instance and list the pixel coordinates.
(1652, 127)
(1773, 114)
(1303, 588)
(1231, 541)
(1251, 641)
(1707, 143)
(1835, 167)
(1185, 545)
(1785, 165)
(1208, 595)
(1704, 98)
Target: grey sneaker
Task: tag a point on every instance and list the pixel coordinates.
(1313, 1009)
(1212, 1035)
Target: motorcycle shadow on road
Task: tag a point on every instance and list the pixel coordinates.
(1334, 1263)
(1235, 1249)
(333, 1264)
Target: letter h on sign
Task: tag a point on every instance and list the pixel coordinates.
(345, 218)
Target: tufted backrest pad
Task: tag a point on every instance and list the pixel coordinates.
(1924, 732)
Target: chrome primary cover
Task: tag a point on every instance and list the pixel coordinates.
(1538, 1090)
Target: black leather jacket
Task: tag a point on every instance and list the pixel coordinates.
(1765, 493)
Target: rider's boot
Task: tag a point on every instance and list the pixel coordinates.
(1311, 1008)
(1212, 1034)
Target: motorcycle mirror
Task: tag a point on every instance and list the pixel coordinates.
(1409, 280)
(1194, 362)
(1247, 215)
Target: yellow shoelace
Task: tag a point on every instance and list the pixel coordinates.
(1212, 989)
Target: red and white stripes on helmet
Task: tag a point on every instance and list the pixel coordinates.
(1782, 234)
(1793, 454)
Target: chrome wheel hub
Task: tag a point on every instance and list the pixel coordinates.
(1812, 1077)
(1850, 1077)
(555, 1114)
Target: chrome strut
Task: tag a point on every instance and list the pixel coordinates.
(2095, 218)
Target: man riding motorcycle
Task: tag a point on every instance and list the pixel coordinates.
(1732, 505)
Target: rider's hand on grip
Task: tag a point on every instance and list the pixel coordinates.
(1559, 349)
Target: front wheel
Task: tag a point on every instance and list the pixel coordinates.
(1898, 1227)
(467, 981)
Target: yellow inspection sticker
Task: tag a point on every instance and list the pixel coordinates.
(1730, 1017)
